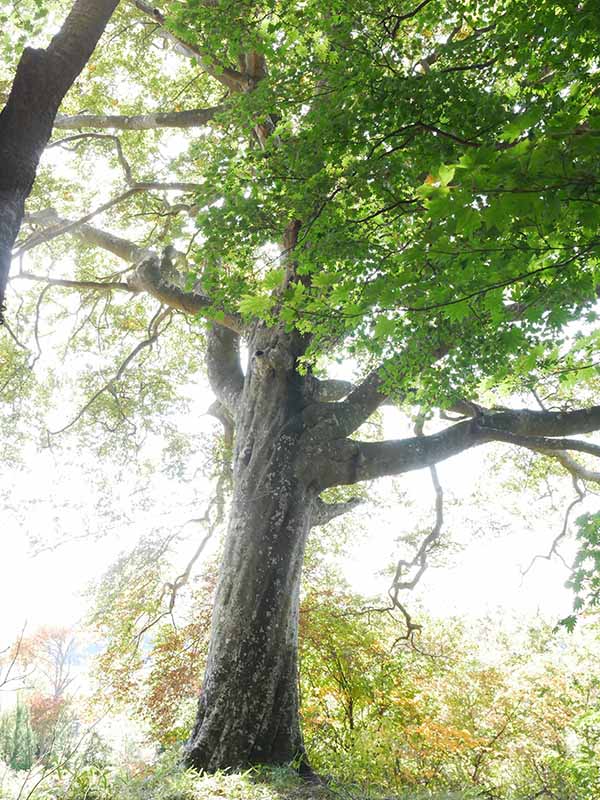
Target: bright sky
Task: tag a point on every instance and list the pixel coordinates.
(482, 571)
(480, 577)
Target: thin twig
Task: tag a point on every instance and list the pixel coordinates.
(419, 560)
(164, 312)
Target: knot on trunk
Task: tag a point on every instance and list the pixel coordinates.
(276, 357)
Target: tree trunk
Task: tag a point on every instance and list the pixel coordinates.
(248, 708)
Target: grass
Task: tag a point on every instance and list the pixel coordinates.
(167, 780)
(262, 784)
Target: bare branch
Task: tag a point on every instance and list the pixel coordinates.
(576, 469)
(14, 336)
(190, 118)
(412, 628)
(148, 278)
(427, 545)
(324, 512)
(182, 579)
(346, 461)
(212, 519)
(172, 588)
(114, 140)
(553, 551)
(392, 22)
(68, 226)
(345, 417)
(154, 332)
(539, 443)
(122, 248)
(97, 286)
(330, 390)
(223, 365)
(366, 397)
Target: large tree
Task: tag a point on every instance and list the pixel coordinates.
(414, 187)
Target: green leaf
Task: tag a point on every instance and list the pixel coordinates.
(273, 279)
(446, 173)
(256, 305)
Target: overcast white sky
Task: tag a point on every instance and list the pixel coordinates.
(46, 588)
(479, 578)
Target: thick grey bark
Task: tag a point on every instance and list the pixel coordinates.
(42, 79)
(248, 708)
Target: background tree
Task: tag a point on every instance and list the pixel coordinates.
(49, 656)
(42, 79)
(411, 187)
(17, 739)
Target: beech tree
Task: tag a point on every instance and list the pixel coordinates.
(413, 188)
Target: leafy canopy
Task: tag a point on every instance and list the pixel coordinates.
(443, 167)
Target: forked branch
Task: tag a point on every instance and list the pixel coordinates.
(149, 275)
(419, 560)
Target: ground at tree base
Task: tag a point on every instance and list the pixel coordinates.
(279, 783)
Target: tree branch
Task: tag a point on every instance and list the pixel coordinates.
(330, 390)
(324, 512)
(148, 276)
(190, 118)
(338, 419)
(541, 443)
(576, 469)
(363, 400)
(235, 81)
(392, 22)
(96, 286)
(223, 366)
(56, 226)
(107, 137)
(67, 226)
(419, 560)
(346, 461)
(563, 532)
